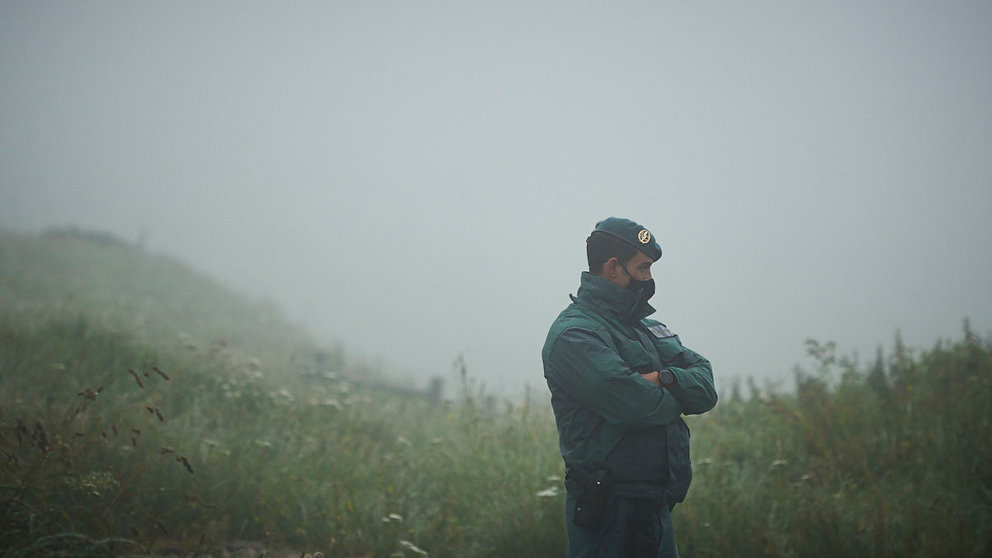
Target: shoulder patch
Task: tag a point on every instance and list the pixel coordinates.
(661, 331)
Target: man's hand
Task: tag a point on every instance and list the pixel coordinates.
(652, 377)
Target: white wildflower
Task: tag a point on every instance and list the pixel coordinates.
(413, 548)
(549, 492)
(331, 402)
(282, 395)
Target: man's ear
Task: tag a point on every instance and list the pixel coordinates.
(610, 267)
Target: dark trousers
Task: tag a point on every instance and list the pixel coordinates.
(630, 528)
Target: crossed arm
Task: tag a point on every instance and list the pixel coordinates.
(591, 372)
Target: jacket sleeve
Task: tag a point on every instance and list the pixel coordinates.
(694, 387)
(584, 366)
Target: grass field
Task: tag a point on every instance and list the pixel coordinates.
(144, 409)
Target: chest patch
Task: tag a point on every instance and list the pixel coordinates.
(660, 331)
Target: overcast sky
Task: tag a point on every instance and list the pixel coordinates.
(416, 180)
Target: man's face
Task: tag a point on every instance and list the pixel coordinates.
(639, 268)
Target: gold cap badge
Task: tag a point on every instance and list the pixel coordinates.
(644, 236)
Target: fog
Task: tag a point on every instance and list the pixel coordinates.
(415, 180)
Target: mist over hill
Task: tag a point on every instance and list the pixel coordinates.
(155, 299)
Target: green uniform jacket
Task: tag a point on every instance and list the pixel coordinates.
(593, 357)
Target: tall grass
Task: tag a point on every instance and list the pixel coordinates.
(217, 451)
(120, 437)
(892, 460)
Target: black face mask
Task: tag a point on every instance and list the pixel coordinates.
(645, 288)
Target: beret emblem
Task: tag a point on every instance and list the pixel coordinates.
(644, 236)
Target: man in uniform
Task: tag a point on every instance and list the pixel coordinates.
(620, 383)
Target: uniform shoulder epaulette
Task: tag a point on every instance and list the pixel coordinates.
(661, 331)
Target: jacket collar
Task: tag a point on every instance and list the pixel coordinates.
(609, 299)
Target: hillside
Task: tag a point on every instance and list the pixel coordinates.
(151, 298)
(146, 409)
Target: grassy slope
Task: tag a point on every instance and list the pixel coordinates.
(244, 433)
(143, 407)
(154, 299)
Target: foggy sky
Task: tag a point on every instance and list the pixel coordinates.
(415, 180)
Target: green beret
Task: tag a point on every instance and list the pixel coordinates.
(631, 233)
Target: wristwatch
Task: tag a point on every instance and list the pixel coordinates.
(667, 378)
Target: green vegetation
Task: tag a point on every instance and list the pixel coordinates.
(146, 410)
(893, 460)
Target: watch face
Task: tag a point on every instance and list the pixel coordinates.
(666, 377)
